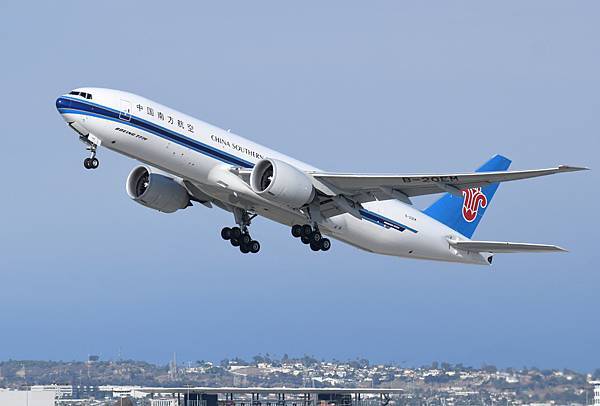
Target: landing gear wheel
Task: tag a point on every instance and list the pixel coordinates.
(87, 163)
(226, 233)
(306, 230)
(315, 237)
(325, 244)
(305, 239)
(94, 163)
(254, 246)
(239, 236)
(236, 233)
(245, 240)
(315, 246)
(297, 230)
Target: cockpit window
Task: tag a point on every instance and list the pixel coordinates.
(82, 94)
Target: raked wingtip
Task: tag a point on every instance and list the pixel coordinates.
(569, 168)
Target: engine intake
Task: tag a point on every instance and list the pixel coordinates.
(159, 192)
(282, 183)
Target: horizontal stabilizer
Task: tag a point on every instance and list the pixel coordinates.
(500, 247)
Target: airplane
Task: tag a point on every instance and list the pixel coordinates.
(185, 161)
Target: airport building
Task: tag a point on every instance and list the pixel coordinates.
(234, 396)
(596, 392)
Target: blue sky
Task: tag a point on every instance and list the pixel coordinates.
(350, 86)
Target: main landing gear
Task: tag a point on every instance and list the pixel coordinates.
(240, 236)
(312, 237)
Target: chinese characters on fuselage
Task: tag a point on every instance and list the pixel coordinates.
(162, 117)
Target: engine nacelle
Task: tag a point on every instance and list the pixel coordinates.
(282, 183)
(159, 192)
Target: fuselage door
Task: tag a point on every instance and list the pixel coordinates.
(125, 112)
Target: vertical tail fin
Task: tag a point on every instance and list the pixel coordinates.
(464, 213)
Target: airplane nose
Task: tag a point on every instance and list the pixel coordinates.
(62, 103)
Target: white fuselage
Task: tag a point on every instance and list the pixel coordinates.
(203, 154)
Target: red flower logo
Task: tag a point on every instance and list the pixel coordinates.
(474, 199)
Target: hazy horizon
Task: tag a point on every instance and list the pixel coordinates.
(275, 358)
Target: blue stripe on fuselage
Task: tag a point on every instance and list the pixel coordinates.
(384, 221)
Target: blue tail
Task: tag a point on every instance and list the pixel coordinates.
(464, 213)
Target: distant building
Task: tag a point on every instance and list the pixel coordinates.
(163, 402)
(173, 367)
(596, 392)
(21, 373)
(118, 391)
(60, 391)
(27, 398)
(88, 392)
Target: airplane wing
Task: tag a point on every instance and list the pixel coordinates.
(504, 247)
(340, 192)
(382, 187)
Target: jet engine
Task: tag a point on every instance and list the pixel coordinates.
(281, 183)
(157, 191)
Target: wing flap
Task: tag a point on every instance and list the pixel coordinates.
(500, 247)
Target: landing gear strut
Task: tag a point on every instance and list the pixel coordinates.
(240, 236)
(311, 236)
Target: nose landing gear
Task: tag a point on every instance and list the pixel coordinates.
(91, 163)
(310, 236)
(92, 142)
